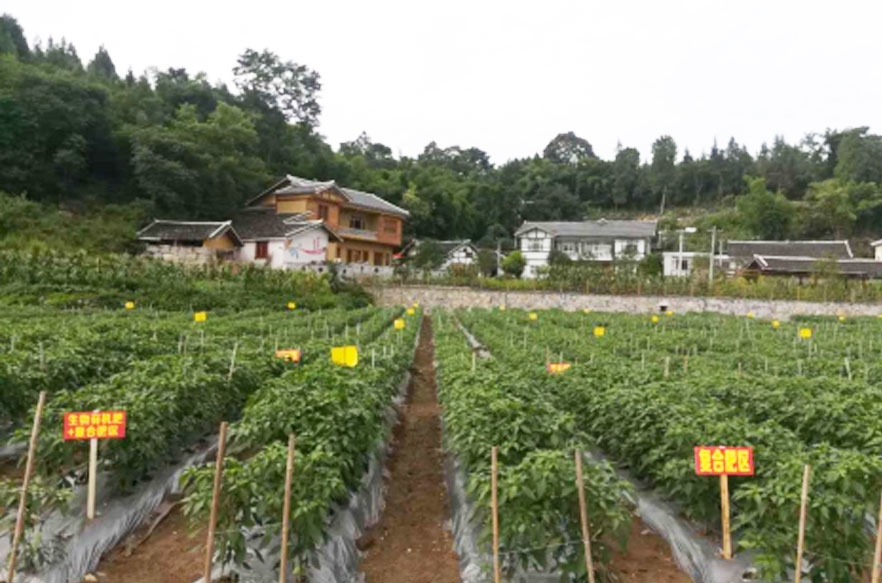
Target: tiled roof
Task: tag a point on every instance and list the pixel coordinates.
(261, 223)
(186, 231)
(805, 265)
(816, 249)
(296, 185)
(599, 228)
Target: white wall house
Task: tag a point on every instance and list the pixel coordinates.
(676, 264)
(282, 241)
(460, 252)
(877, 245)
(601, 240)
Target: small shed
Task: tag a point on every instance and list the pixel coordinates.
(190, 241)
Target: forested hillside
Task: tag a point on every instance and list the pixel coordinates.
(79, 135)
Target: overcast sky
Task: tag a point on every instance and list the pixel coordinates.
(507, 77)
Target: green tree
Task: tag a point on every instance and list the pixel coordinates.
(663, 171)
(285, 86)
(568, 148)
(768, 215)
(487, 262)
(626, 176)
(514, 264)
(429, 255)
(101, 66)
(12, 38)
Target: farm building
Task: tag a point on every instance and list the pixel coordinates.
(368, 228)
(282, 240)
(809, 266)
(600, 240)
(877, 246)
(461, 252)
(194, 242)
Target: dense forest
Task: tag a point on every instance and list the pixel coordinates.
(80, 141)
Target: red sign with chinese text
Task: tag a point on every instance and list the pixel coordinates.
(94, 425)
(718, 460)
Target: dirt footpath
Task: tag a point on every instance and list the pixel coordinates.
(411, 543)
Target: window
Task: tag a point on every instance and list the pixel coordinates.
(261, 250)
(378, 258)
(323, 212)
(356, 222)
(534, 245)
(339, 251)
(684, 265)
(390, 226)
(567, 246)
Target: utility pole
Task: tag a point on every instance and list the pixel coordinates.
(680, 255)
(713, 244)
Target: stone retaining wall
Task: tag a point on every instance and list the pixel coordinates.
(462, 297)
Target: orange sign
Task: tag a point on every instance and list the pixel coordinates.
(288, 354)
(94, 425)
(557, 367)
(718, 460)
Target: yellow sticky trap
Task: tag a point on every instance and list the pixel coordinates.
(533, 316)
(776, 324)
(669, 313)
(586, 311)
(654, 319)
(288, 354)
(842, 318)
(805, 333)
(502, 309)
(416, 304)
(750, 315)
(599, 331)
(200, 316)
(398, 324)
(292, 305)
(410, 311)
(345, 355)
(130, 305)
(557, 367)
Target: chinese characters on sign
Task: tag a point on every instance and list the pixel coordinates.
(95, 425)
(714, 460)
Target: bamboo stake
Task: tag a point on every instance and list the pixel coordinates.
(233, 361)
(583, 516)
(800, 543)
(724, 500)
(23, 500)
(215, 499)
(92, 493)
(286, 512)
(494, 503)
(667, 366)
(877, 555)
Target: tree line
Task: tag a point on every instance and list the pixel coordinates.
(172, 144)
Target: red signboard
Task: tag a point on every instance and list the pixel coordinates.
(718, 460)
(94, 425)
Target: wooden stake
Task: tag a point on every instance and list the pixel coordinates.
(215, 499)
(800, 543)
(724, 503)
(667, 366)
(583, 516)
(474, 359)
(233, 361)
(286, 512)
(497, 577)
(93, 479)
(877, 555)
(23, 500)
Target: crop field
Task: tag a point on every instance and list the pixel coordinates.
(177, 379)
(644, 391)
(640, 393)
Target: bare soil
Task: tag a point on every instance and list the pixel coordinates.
(170, 555)
(411, 543)
(647, 559)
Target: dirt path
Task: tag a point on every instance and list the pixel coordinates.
(411, 543)
(647, 559)
(170, 555)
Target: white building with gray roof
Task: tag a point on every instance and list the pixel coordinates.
(601, 240)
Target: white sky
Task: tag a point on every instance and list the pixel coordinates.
(507, 77)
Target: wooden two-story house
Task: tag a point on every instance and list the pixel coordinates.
(366, 228)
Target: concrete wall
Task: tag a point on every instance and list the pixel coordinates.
(456, 297)
(187, 255)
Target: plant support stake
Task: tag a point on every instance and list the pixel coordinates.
(877, 555)
(800, 543)
(583, 516)
(724, 504)
(286, 512)
(23, 500)
(494, 503)
(215, 498)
